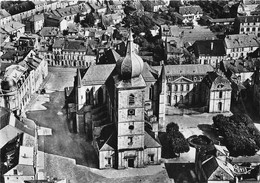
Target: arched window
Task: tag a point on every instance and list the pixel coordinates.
(88, 97)
(220, 106)
(131, 99)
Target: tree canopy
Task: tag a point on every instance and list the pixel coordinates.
(178, 143)
(240, 134)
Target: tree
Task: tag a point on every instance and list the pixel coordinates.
(178, 143)
(240, 134)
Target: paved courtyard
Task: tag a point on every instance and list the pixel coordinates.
(48, 111)
(62, 146)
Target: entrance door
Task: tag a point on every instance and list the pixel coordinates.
(131, 162)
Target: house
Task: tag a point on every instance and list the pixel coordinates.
(72, 53)
(14, 28)
(245, 8)
(221, 21)
(49, 32)
(210, 52)
(123, 90)
(240, 45)
(216, 90)
(247, 25)
(153, 6)
(51, 20)
(34, 23)
(40, 5)
(21, 81)
(216, 170)
(5, 17)
(191, 13)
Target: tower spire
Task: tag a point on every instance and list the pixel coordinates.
(130, 46)
(79, 82)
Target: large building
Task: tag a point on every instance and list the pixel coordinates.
(122, 106)
(125, 89)
(21, 80)
(248, 25)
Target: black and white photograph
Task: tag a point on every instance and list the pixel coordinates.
(130, 91)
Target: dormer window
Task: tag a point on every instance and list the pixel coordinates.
(131, 99)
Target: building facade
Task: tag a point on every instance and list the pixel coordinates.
(248, 25)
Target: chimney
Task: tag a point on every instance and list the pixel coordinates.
(211, 45)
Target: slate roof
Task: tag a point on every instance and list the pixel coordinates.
(4, 13)
(241, 41)
(58, 43)
(146, 73)
(212, 164)
(8, 133)
(49, 32)
(221, 20)
(209, 48)
(180, 70)
(12, 26)
(248, 19)
(150, 142)
(213, 79)
(247, 159)
(110, 144)
(239, 66)
(183, 10)
(36, 18)
(97, 74)
(76, 45)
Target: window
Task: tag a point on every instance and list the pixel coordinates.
(188, 87)
(151, 157)
(168, 87)
(253, 29)
(248, 29)
(131, 127)
(15, 172)
(109, 161)
(131, 99)
(195, 79)
(181, 87)
(130, 141)
(242, 29)
(220, 106)
(176, 99)
(131, 112)
(175, 87)
(220, 94)
(169, 99)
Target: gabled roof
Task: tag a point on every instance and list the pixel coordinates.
(183, 10)
(212, 80)
(148, 77)
(4, 13)
(209, 48)
(182, 70)
(241, 41)
(97, 74)
(110, 144)
(248, 19)
(8, 133)
(222, 149)
(150, 142)
(23, 170)
(212, 164)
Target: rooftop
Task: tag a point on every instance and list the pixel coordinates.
(93, 75)
(248, 19)
(241, 41)
(181, 70)
(183, 10)
(12, 26)
(4, 13)
(209, 48)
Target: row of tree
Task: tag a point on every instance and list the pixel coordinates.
(240, 134)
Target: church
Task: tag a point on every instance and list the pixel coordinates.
(121, 107)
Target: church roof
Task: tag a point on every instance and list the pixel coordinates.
(130, 83)
(131, 65)
(150, 142)
(212, 80)
(110, 144)
(97, 74)
(148, 77)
